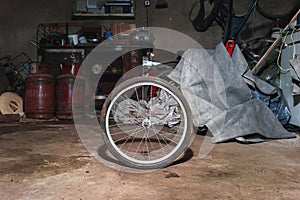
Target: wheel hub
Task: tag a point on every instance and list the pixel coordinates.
(146, 123)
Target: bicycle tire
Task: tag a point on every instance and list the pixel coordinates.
(255, 48)
(202, 21)
(294, 7)
(160, 70)
(158, 145)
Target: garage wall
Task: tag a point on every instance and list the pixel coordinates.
(19, 19)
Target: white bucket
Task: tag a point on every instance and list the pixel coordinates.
(73, 39)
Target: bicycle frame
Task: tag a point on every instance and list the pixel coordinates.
(230, 23)
(234, 26)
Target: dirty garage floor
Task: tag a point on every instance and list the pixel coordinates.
(46, 160)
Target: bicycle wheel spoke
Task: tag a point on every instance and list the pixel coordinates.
(125, 132)
(161, 145)
(138, 147)
(136, 94)
(134, 132)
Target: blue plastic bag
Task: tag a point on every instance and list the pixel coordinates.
(276, 102)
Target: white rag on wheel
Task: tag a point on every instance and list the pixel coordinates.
(161, 110)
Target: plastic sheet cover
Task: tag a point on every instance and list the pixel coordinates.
(220, 97)
(295, 73)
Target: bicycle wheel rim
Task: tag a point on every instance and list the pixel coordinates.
(274, 9)
(203, 20)
(157, 154)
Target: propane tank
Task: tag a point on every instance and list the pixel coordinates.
(39, 94)
(70, 68)
(64, 96)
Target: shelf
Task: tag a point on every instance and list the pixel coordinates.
(80, 16)
(104, 9)
(80, 46)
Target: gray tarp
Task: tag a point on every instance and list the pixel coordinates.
(220, 97)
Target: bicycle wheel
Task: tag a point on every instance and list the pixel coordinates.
(255, 48)
(203, 13)
(276, 9)
(147, 122)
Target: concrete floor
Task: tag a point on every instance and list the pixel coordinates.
(46, 160)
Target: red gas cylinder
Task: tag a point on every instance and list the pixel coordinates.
(70, 68)
(39, 96)
(64, 96)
